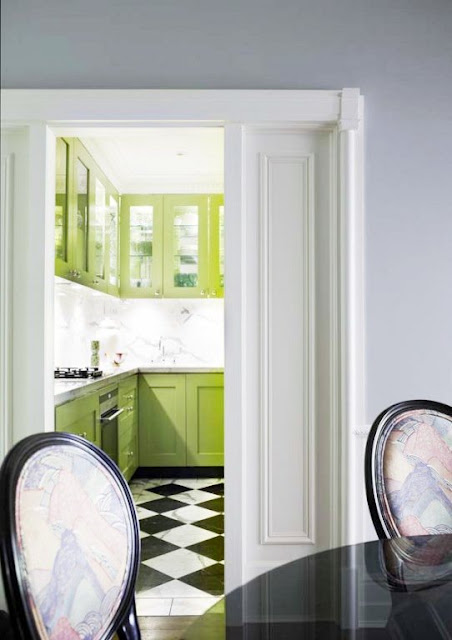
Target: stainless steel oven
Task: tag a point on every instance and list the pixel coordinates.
(109, 414)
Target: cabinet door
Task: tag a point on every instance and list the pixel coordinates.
(205, 419)
(161, 423)
(97, 262)
(63, 222)
(186, 268)
(80, 416)
(216, 246)
(84, 200)
(141, 246)
(113, 243)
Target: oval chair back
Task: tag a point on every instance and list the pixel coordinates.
(69, 541)
(408, 469)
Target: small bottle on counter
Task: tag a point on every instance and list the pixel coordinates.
(94, 353)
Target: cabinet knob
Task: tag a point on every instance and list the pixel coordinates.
(130, 397)
(213, 292)
(129, 409)
(95, 281)
(157, 293)
(84, 434)
(203, 292)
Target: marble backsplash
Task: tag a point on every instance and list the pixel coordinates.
(148, 332)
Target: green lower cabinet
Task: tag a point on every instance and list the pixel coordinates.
(161, 423)
(181, 420)
(205, 419)
(81, 417)
(128, 427)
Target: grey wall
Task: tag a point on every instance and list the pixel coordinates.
(399, 52)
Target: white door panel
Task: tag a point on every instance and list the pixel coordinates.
(290, 444)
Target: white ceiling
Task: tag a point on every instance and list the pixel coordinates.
(161, 160)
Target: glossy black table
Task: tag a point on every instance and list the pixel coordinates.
(399, 589)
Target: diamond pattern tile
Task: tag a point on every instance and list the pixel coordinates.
(182, 543)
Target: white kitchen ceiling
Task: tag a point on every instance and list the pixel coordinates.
(161, 160)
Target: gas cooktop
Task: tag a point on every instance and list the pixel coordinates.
(76, 373)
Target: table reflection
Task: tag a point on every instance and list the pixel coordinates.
(400, 588)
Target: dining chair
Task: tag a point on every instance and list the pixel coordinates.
(408, 469)
(69, 541)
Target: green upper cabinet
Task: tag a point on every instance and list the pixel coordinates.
(86, 219)
(186, 240)
(141, 246)
(113, 229)
(216, 246)
(63, 226)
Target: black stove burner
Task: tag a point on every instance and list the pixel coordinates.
(75, 372)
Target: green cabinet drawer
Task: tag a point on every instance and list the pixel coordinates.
(127, 390)
(81, 417)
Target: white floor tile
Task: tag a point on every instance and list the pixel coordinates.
(144, 513)
(191, 606)
(186, 535)
(143, 534)
(140, 498)
(194, 496)
(150, 495)
(179, 563)
(173, 589)
(153, 606)
(190, 514)
(199, 483)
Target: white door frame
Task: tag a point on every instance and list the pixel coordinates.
(44, 112)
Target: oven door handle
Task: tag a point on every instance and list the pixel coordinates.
(112, 416)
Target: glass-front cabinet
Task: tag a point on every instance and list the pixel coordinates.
(141, 246)
(63, 228)
(113, 243)
(186, 263)
(216, 246)
(85, 203)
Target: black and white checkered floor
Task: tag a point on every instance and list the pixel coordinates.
(182, 545)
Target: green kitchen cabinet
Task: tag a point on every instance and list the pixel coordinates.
(205, 419)
(186, 243)
(161, 426)
(86, 239)
(81, 417)
(216, 246)
(141, 246)
(63, 221)
(181, 420)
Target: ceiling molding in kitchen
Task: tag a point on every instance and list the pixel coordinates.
(162, 160)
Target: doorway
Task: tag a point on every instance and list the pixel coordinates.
(240, 112)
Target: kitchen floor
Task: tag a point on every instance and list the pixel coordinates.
(182, 545)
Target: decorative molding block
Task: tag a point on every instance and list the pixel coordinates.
(273, 531)
(350, 110)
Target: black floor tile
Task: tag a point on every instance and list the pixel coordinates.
(155, 524)
(152, 547)
(162, 505)
(217, 504)
(149, 578)
(210, 579)
(216, 524)
(216, 488)
(213, 548)
(168, 489)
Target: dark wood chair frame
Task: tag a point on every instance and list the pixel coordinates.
(124, 622)
(374, 458)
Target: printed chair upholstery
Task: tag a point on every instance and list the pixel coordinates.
(409, 470)
(69, 541)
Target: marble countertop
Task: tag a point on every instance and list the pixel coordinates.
(66, 390)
